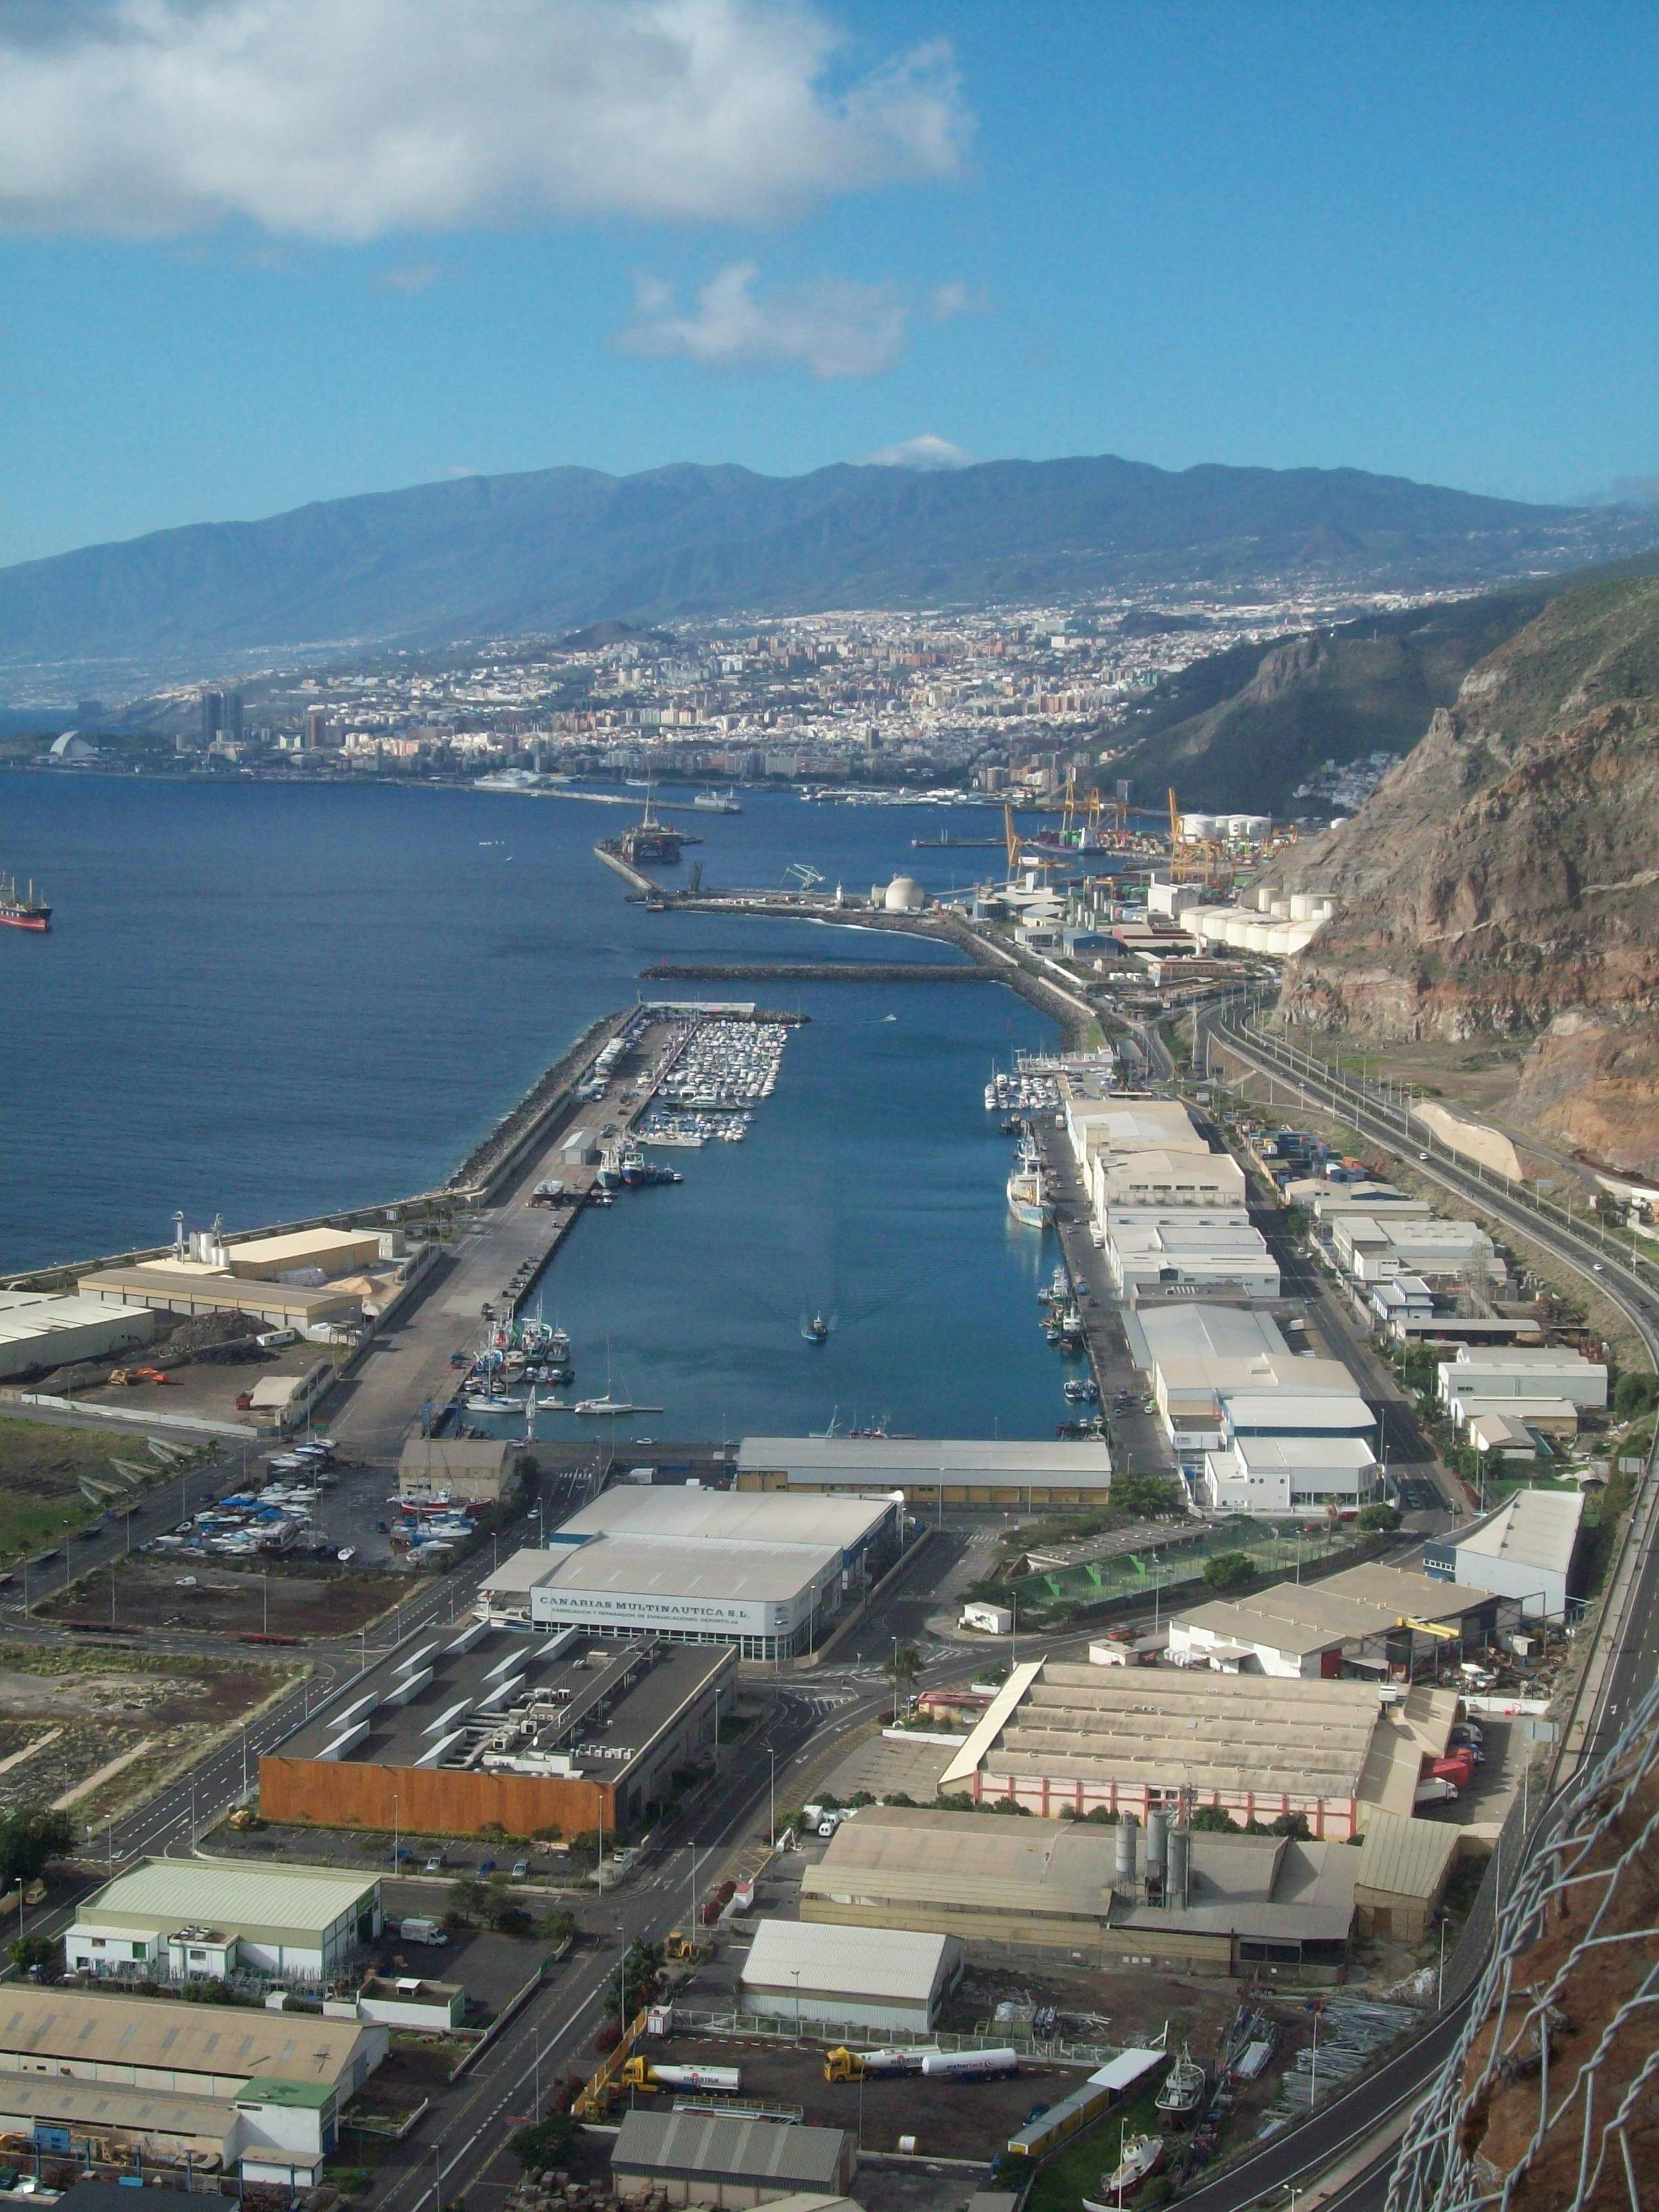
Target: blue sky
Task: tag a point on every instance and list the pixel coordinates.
(261, 252)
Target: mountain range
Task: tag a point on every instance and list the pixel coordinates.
(1500, 884)
(486, 557)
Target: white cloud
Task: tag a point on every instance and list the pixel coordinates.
(954, 298)
(411, 278)
(830, 326)
(925, 451)
(344, 119)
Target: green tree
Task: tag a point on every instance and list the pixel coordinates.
(1635, 1395)
(30, 1835)
(469, 1902)
(906, 1668)
(1147, 1496)
(27, 1951)
(542, 2148)
(1376, 1519)
(1292, 1824)
(1213, 1821)
(1229, 1570)
(558, 1926)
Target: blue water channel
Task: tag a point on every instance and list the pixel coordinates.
(265, 1002)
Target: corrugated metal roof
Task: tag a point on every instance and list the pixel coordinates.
(668, 1509)
(668, 1568)
(852, 1962)
(71, 2099)
(896, 1461)
(44, 2023)
(739, 2150)
(175, 1892)
(1403, 1857)
(1532, 1528)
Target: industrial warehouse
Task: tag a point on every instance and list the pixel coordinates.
(257, 2094)
(765, 1575)
(176, 1920)
(1192, 1903)
(1376, 1620)
(930, 1471)
(876, 1981)
(1060, 1738)
(551, 1735)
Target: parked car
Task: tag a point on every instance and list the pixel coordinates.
(520, 1869)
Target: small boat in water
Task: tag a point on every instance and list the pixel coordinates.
(493, 1404)
(592, 1407)
(817, 1330)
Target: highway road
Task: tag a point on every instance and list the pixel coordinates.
(1293, 2161)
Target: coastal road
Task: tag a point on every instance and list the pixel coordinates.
(1623, 1666)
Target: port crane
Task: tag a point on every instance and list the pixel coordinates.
(807, 877)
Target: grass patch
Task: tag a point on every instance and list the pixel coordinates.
(1074, 2172)
(41, 1470)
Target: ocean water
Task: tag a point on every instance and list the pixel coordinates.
(263, 1003)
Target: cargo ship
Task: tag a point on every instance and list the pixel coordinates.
(19, 910)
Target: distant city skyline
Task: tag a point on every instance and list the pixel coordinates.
(261, 257)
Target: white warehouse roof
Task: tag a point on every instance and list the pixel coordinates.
(647, 1566)
(683, 1515)
(175, 1892)
(853, 1962)
(1534, 1529)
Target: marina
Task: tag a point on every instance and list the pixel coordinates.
(868, 1188)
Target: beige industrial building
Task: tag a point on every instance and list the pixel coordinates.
(704, 2158)
(186, 1288)
(1404, 1867)
(930, 1471)
(1179, 1901)
(258, 2093)
(469, 1470)
(1060, 1739)
(42, 1328)
(1381, 1621)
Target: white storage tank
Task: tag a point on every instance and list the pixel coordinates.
(1301, 934)
(1211, 923)
(1239, 930)
(1302, 906)
(904, 895)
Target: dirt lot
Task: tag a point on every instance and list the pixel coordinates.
(96, 1730)
(1119, 2007)
(42, 1467)
(949, 2120)
(208, 1389)
(285, 1600)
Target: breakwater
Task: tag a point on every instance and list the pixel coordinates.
(812, 971)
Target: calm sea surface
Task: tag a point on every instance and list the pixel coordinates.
(266, 1002)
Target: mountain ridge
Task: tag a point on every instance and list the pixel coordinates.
(554, 550)
(1500, 882)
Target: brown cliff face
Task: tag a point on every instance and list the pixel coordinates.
(1504, 879)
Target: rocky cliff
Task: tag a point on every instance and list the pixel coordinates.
(1504, 878)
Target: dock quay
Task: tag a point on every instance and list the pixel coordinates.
(494, 1267)
(1050, 994)
(818, 971)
